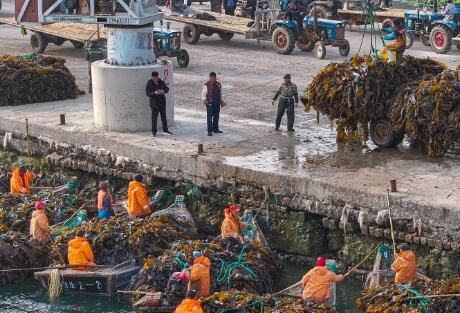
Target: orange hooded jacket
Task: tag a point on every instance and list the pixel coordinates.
(189, 306)
(39, 226)
(200, 276)
(138, 199)
(79, 252)
(316, 283)
(20, 184)
(405, 267)
(230, 227)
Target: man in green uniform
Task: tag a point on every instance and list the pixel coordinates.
(288, 96)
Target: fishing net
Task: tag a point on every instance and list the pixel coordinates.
(19, 251)
(245, 302)
(40, 79)
(409, 298)
(232, 266)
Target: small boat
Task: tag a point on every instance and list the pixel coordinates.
(103, 281)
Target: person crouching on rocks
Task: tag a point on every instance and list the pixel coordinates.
(79, 251)
(39, 225)
(199, 274)
(232, 226)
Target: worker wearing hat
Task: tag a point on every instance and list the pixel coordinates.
(39, 225)
(405, 265)
(104, 201)
(190, 304)
(21, 180)
(316, 283)
(200, 274)
(232, 226)
(79, 251)
(288, 96)
(395, 50)
(138, 198)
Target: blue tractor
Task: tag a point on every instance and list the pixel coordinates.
(166, 42)
(434, 30)
(323, 8)
(313, 34)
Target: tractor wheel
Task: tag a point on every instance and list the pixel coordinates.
(425, 40)
(38, 42)
(386, 24)
(441, 39)
(225, 36)
(321, 11)
(320, 50)
(345, 49)
(77, 45)
(306, 47)
(182, 58)
(283, 40)
(410, 37)
(382, 134)
(191, 34)
(58, 41)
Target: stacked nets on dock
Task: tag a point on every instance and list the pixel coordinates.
(41, 79)
(400, 298)
(121, 238)
(250, 303)
(18, 251)
(250, 269)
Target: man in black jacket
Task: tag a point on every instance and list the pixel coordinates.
(156, 90)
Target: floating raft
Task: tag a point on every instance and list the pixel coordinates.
(99, 281)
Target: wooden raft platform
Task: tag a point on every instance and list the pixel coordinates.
(356, 17)
(105, 281)
(70, 31)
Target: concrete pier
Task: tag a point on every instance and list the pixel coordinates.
(345, 184)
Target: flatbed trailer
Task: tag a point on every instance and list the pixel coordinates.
(58, 33)
(357, 17)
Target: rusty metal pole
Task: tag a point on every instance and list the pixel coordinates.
(393, 186)
(27, 137)
(200, 148)
(62, 119)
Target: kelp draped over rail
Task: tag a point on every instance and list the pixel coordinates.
(357, 91)
(40, 79)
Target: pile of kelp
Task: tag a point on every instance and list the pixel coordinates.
(421, 100)
(16, 251)
(243, 301)
(429, 112)
(409, 298)
(233, 266)
(40, 79)
(121, 239)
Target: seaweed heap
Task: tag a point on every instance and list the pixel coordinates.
(41, 79)
(18, 251)
(121, 239)
(255, 276)
(398, 298)
(250, 303)
(429, 112)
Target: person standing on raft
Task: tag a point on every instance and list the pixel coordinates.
(79, 251)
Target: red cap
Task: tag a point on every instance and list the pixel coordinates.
(40, 205)
(321, 261)
(233, 208)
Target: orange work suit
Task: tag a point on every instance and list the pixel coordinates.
(39, 226)
(405, 267)
(79, 252)
(230, 225)
(21, 183)
(200, 276)
(189, 306)
(316, 283)
(138, 199)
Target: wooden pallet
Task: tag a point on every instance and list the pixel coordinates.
(74, 32)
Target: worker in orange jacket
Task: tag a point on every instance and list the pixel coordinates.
(232, 226)
(39, 225)
(21, 180)
(79, 251)
(405, 265)
(200, 275)
(138, 199)
(316, 283)
(190, 304)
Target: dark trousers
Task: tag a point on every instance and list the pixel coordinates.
(213, 111)
(159, 107)
(287, 105)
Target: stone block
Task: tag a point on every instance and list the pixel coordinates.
(438, 244)
(423, 241)
(387, 233)
(417, 240)
(371, 230)
(365, 230)
(431, 243)
(283, 209)
(378, 232)
(447, 246)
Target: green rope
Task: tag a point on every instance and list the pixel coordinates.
(387, 255)
(226, 269)
(369, 12)
(182, 263)
(416, 302)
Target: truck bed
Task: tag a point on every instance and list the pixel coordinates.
(74, 32)
(356, 17)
